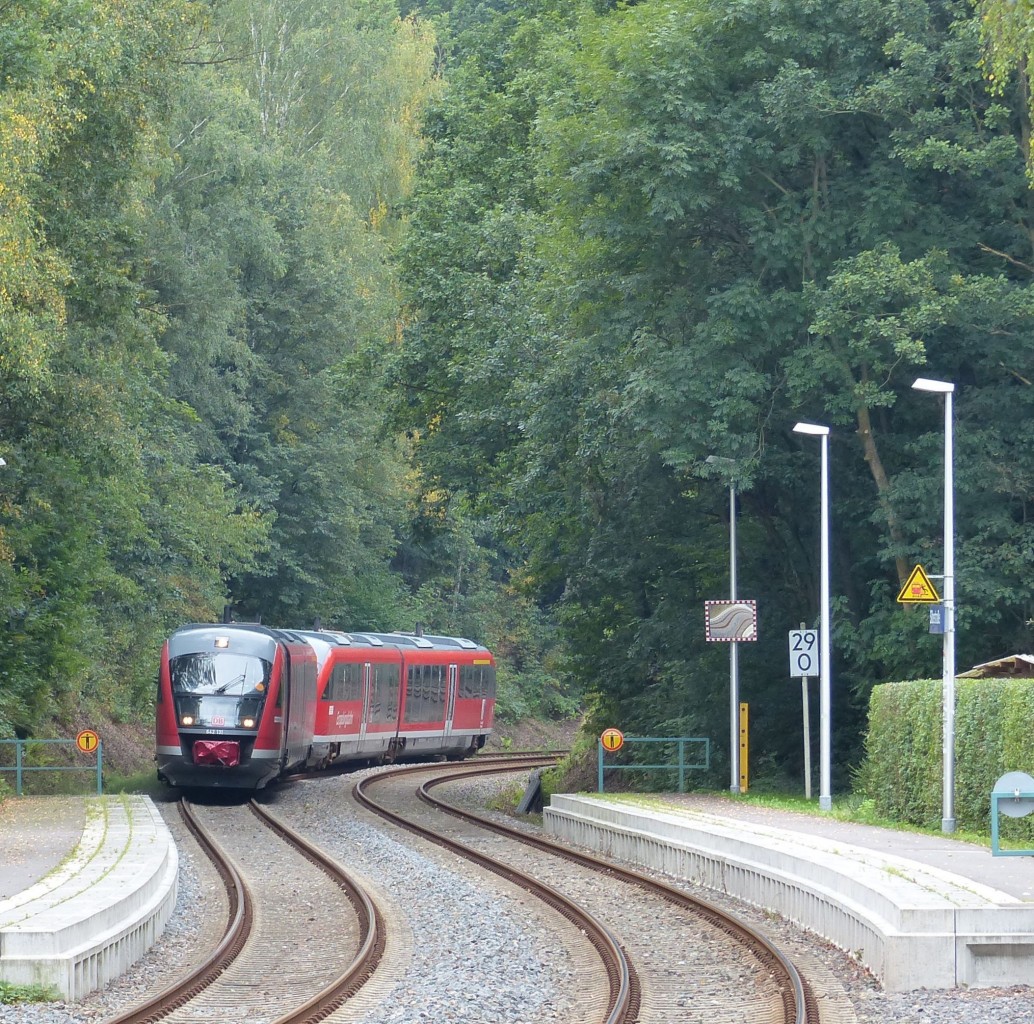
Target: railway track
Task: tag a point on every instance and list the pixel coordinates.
(625, 967)
(246, 975)
(782, 983)
(623, 996)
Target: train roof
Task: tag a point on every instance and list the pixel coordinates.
(328, 636)
(452, 641)
(339, 638)
(419, 641)
(424, 641)
(273, 633)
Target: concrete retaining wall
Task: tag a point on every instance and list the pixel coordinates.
(912, 925)
(101, 910)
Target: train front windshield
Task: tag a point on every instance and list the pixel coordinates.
(221, 691)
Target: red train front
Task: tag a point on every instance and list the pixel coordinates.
(236, 705)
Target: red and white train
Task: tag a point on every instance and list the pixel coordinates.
(240, 704)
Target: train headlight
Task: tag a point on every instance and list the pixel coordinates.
(187, 720)
(247, 723)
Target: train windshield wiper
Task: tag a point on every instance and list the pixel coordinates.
(236, 680)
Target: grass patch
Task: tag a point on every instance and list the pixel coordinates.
(11, 994)
(507, 798)
(145, 782)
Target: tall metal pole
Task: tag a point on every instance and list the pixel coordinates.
(825, 659)
(734, 662)
(948, 649)
(825, 687)
(946, 388)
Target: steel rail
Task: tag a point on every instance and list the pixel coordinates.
(372, 930)
(624, 993)
(240, 925)
(238, 929)
(799, 1003)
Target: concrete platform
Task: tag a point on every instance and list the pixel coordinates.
(91, 906)
(911, 921)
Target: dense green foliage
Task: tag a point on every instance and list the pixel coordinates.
(901, 773)
(379, 315)
(198, 310)
(646, 234)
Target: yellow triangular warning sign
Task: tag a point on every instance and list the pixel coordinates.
(918, 589)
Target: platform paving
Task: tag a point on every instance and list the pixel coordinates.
(36, 834)
(919, 911)
(1013, 875)
(88, 887)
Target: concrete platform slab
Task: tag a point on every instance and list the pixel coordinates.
(83, 921)
(36, 835)
(913, 923)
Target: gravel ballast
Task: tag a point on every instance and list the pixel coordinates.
(460, 933)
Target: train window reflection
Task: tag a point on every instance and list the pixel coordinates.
(231, 674)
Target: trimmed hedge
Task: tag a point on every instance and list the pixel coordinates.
(902, 770)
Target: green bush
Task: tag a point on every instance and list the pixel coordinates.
(902, 771)
(11, 994)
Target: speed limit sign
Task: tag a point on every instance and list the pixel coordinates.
(804, 652)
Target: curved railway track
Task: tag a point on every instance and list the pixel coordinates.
(194, 996)
(798, 1003)
(234, 967)
(624, 991)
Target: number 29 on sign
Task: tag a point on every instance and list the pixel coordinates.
(804, 652)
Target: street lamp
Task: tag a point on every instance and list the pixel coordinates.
(941, 387)
(825, 796)
(734, 664)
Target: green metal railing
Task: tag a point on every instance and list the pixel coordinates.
(1024, 800)
(20, 767)
(681, 764)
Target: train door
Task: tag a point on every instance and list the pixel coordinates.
(450, 701)
(366, 687)
(299, 703)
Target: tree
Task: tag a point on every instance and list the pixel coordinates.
(273, 255)
(1007, 31)
(741, 216)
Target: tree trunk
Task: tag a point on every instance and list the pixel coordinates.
(879, 474)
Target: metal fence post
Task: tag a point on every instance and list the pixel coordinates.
(23, 762)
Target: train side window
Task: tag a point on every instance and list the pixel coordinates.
(386, 685)
(344, 683)
(394, 678)
(411, 693)
(330, 691)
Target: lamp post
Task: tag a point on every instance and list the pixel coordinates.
(941, 387)
(825, 795)
(734, 664)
